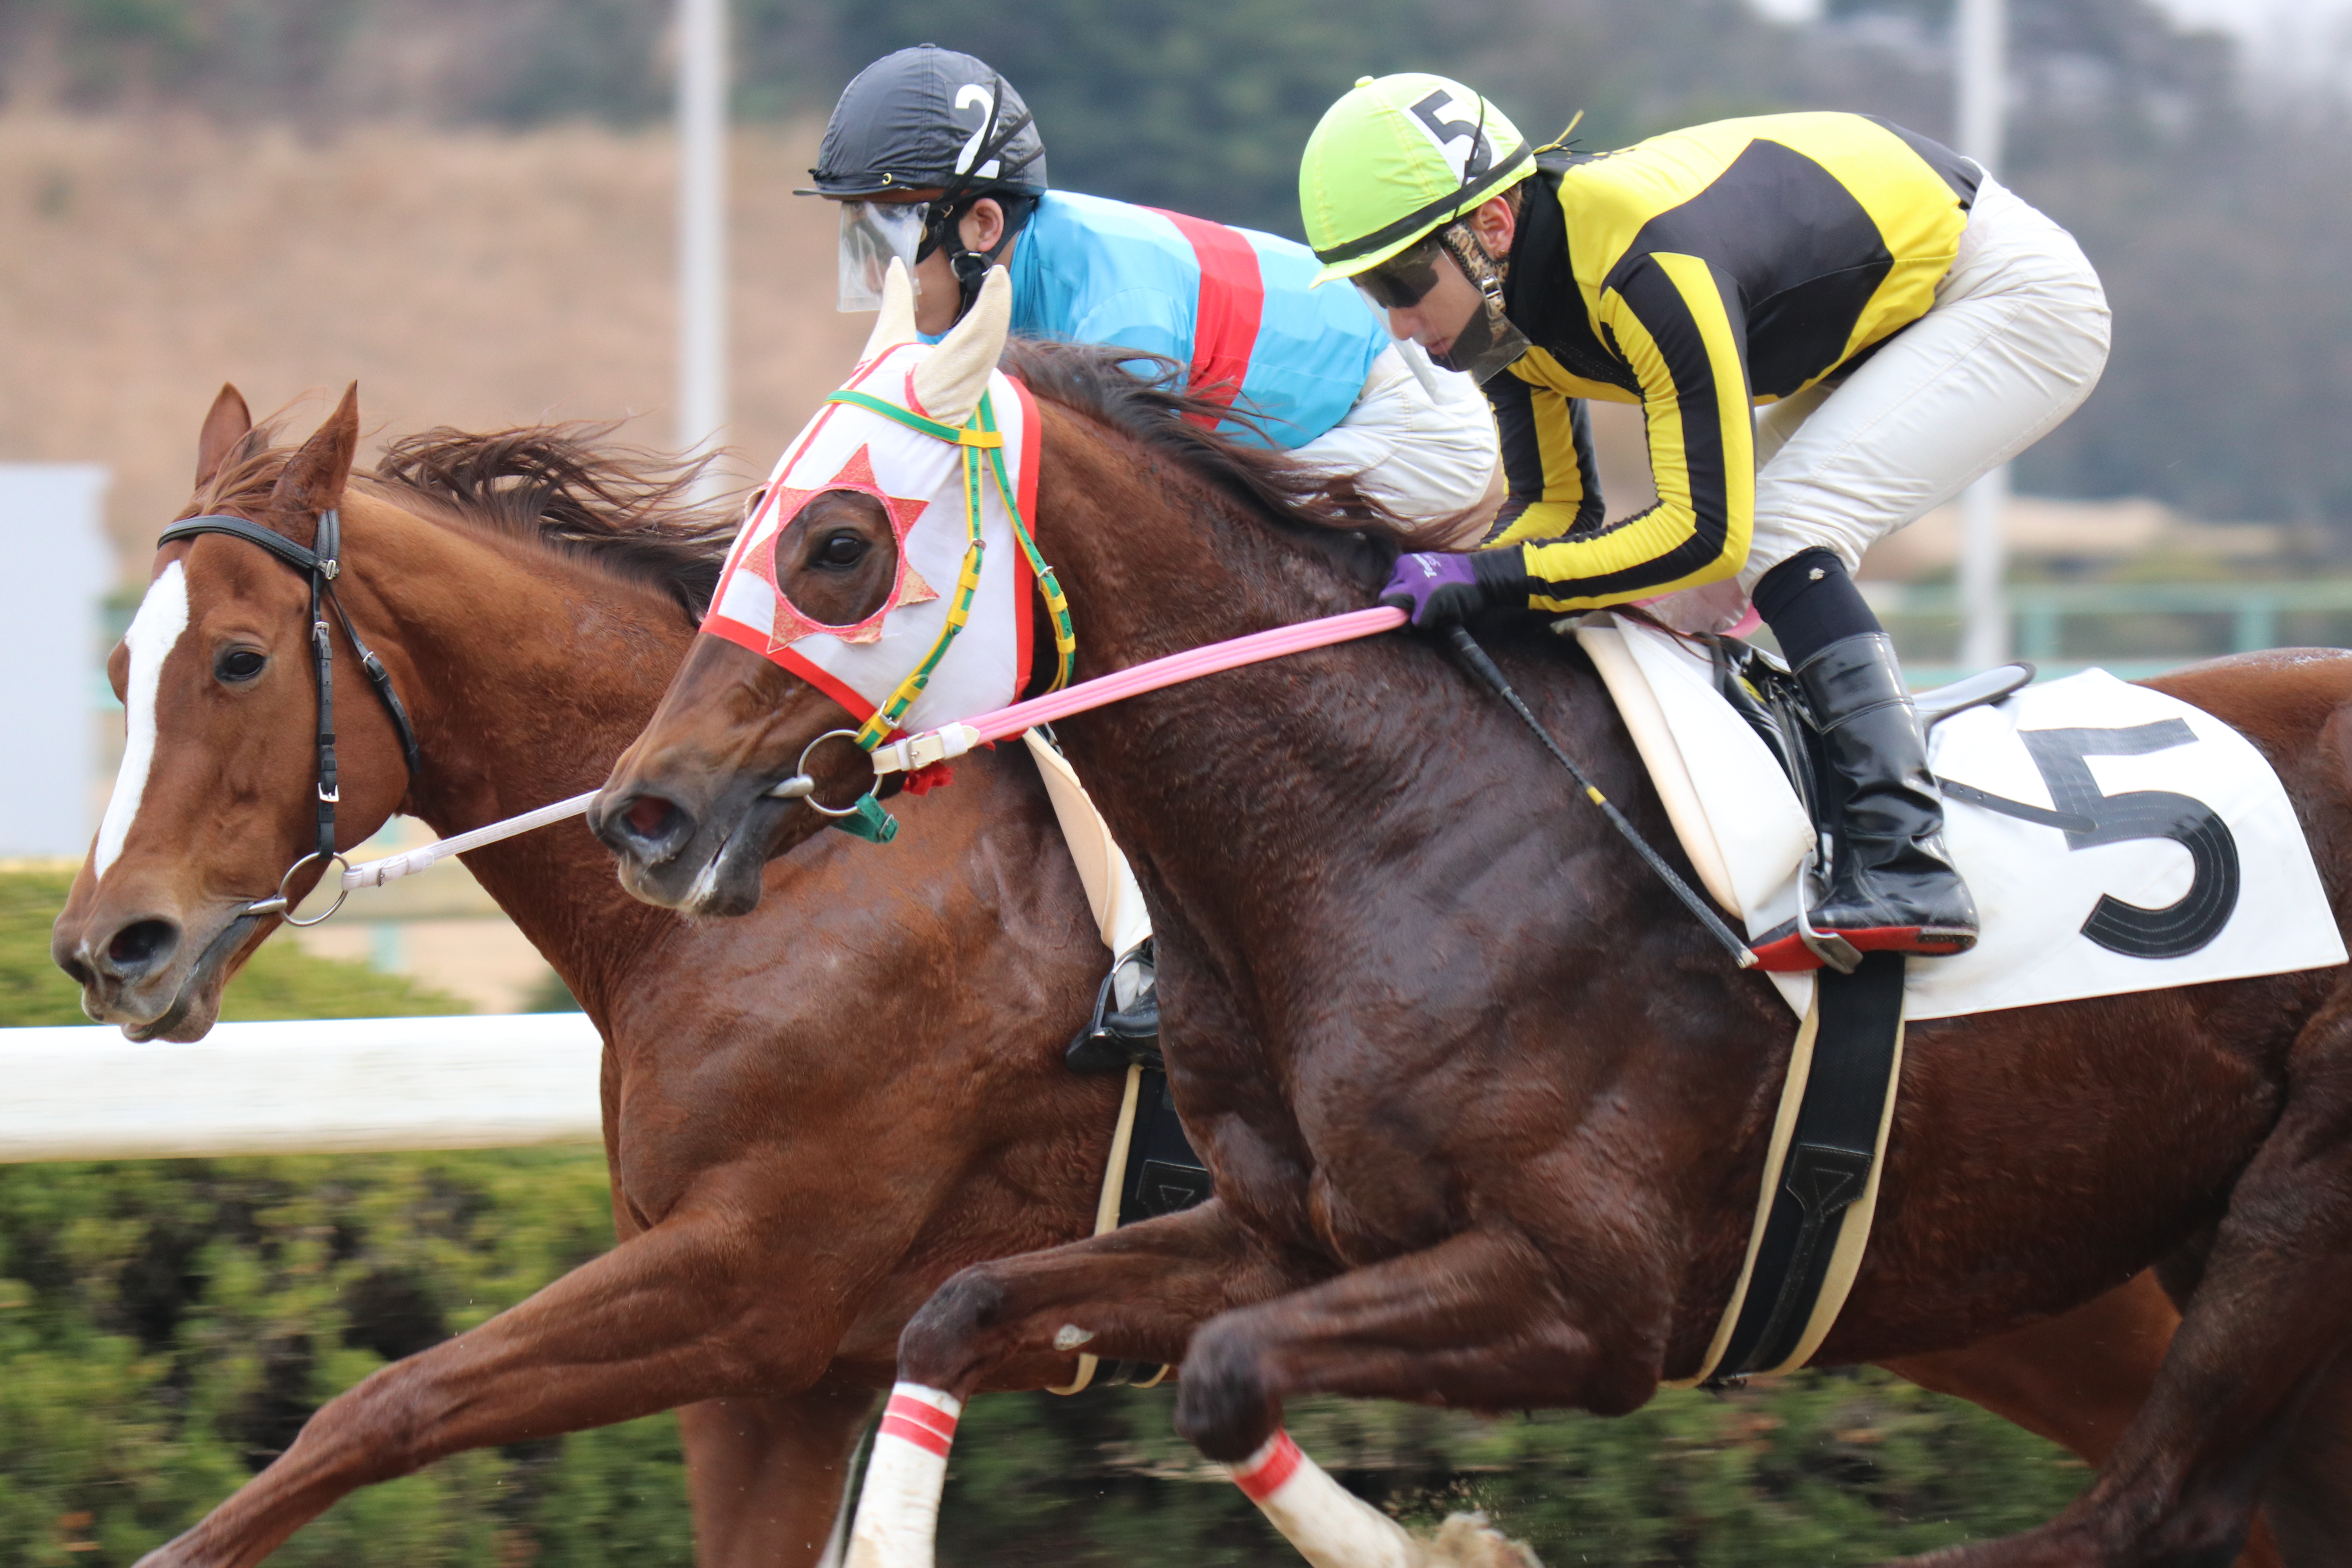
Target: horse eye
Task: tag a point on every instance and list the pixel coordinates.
(239, 664)
(841, 550)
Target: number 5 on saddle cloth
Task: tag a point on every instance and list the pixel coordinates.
(2116, 838)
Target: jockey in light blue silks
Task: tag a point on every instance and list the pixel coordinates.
(936, 160)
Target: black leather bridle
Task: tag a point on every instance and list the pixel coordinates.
(322, 566)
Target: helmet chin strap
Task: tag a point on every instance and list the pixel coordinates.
(944, 231)
(971, 265)
(1487, 344)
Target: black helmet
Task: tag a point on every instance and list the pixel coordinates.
(930, 118)
(925, 119)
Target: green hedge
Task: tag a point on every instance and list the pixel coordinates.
(166, 1326)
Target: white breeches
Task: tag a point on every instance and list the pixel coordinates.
(1420, 441)
(2013, 343)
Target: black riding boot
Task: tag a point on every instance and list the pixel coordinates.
(1892, 886)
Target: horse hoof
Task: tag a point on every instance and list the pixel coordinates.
(1467, 1541)
(1221, 1406)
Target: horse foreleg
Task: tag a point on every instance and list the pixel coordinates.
(659, 1320)
(1135, 1294)
(1477, 1320)
(2078, 1379)
(768, 1476)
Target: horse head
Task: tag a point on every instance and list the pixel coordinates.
(219, 789)
(691, 810)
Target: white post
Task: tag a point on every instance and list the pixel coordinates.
(1981, 51)
(53, 527)
(702, 229)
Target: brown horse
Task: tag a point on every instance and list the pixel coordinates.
(530, 595)
(1486, 1110)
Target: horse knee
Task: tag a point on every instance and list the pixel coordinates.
(2201, 1536)
(1223, 1406)
(941, 1344)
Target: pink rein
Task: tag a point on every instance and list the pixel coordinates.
(935, 746)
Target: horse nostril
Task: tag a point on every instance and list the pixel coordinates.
(141, 945)
(77, 971)
(649, 820)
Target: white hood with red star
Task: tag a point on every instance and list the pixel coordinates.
(920, 480)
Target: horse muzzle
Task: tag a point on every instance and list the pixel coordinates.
(148, 975)
(703, 863)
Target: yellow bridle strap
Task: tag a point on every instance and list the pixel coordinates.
(1049, 588)
(977, 436)
(875, 730)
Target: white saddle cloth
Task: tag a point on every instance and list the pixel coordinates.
(2115, 839)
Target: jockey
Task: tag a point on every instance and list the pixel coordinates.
(935, 160)
(1908, 323)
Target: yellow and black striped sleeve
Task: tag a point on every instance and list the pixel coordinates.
(1680, 327)
(1553, 484)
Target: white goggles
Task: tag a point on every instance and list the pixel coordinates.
(871, 234)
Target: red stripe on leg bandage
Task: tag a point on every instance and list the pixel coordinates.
(1261, 1475)
(926, 1426)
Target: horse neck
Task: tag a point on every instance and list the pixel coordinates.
(526, 673)
(1155, 561)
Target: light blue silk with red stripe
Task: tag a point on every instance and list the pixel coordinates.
(1216, 300)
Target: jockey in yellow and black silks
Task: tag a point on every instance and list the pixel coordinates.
(1906, 323)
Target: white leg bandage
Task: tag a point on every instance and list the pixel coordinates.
(898, 1511)
(1331, 1527)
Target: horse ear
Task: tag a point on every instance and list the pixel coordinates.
(953, 377)
(229, 422)
(315, 476)
(896, 325)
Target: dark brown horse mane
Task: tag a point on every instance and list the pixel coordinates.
(568, 488)
(563, 487)
(1103, 383)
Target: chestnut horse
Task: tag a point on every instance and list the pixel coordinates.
(1487, 1108)
(530, 595)
(812, 1117)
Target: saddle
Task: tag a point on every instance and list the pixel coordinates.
(1762, 690)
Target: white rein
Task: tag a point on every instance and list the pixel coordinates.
(376, 873)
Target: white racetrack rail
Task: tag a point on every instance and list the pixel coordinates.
(324, 1087)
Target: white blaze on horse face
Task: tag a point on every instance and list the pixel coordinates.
(154, 632)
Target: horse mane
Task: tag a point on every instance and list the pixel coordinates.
(1102, 382)
(567, 488)
(563, 487)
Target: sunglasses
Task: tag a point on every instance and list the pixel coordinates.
(1404, 280)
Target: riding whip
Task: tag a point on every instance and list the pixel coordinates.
(1486, 670)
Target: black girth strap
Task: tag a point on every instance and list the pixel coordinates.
(321, 567)
(1164, 1175)
(1832, 1151)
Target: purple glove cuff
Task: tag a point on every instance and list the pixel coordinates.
(1437, 589)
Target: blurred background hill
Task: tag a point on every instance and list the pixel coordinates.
(469, 209)
(466, 205)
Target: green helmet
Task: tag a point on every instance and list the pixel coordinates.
(1396, 158)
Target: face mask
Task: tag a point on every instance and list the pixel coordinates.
(1488, 343)
(871, 234)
